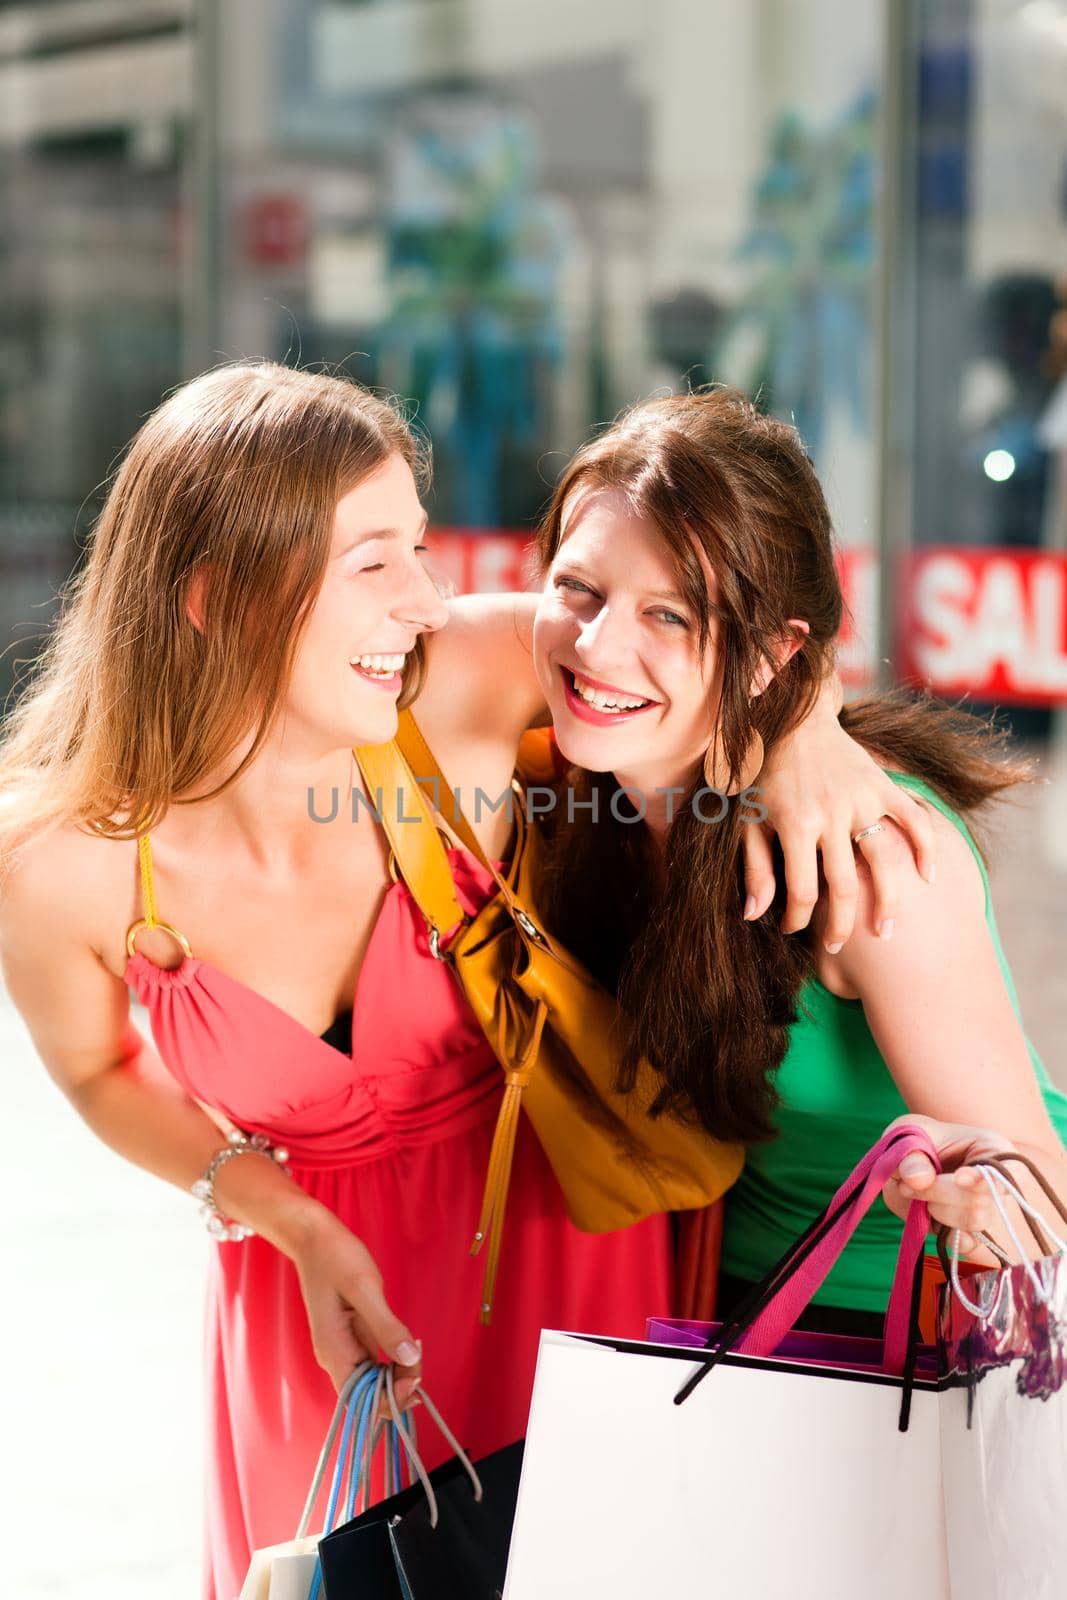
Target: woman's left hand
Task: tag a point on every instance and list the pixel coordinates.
(957, 1197)
(820, 788)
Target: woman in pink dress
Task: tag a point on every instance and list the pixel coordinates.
(255, 605)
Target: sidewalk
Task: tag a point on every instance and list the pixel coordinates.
(100, 1356)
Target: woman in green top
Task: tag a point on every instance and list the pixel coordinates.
(688, 618)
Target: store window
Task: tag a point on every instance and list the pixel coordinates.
(520, 219)
(92, 156)
(988, 585)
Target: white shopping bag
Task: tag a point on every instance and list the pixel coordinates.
(764, 1484)
(282, 1571)
(813, 1468)
(290, 1571)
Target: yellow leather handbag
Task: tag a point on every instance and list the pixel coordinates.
(555, 1031)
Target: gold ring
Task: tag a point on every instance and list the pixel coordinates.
(164, 927)
(865, 833)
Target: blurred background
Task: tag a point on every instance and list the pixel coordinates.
(519, 218)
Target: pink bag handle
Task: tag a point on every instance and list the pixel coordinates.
(854, 1199)
(768, 1313)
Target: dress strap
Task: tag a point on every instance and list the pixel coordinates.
(148, 899)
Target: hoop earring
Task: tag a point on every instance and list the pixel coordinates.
(717, 768)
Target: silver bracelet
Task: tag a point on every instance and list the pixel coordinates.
(238, 1144)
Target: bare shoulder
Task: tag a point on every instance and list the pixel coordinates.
(480, 671)
(65, 883)
(932, 919)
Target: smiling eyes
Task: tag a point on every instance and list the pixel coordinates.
(379, 566)
(576, 586)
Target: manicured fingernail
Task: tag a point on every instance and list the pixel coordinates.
(912, 1167)
(408, 1354)
(886, 930)
(834, 948)
(750, 908)
(931, 872)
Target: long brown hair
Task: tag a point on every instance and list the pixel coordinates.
(237, 473)
(710, 997)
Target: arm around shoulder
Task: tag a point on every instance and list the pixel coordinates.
(480, 671)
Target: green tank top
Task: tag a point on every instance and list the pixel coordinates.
(837, 1095)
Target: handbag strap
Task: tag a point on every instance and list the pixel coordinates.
(423, 762)
(424, 865)
(416, 844)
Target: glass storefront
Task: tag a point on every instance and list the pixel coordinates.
(93, 131)
(988, 247)
(522, 219)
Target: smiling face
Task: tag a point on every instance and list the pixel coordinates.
(375, 600)
(617, 650)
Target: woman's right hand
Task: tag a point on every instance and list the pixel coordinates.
(349, 1317)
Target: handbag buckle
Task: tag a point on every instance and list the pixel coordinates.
(528, 928)
(435, 936)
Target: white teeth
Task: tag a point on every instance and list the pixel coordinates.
(379, 666)
(601, 701)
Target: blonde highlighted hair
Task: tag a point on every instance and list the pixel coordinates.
(236, 475)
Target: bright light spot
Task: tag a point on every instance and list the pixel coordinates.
(999, 465)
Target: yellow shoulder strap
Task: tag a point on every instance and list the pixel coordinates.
(411, 831)
(148, 900)
(423, 763)
(148, 887)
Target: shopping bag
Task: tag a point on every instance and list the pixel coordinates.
(291, 1571)
(809, 1464)
(1004, 1417)
(466, 1556)
(782, 1473)
(281, 1571)
(395, 1542)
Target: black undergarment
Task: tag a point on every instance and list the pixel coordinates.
(339, 1033)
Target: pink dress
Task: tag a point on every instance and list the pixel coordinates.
(394, 1137)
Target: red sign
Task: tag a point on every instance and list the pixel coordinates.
(482, 561)
(858, 572)
(987, 622)
(275, 230)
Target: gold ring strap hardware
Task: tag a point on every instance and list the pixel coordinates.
(148, 896)
(164, 927)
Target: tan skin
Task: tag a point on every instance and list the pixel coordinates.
(251, 859)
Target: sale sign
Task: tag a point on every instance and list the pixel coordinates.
(988, 622)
